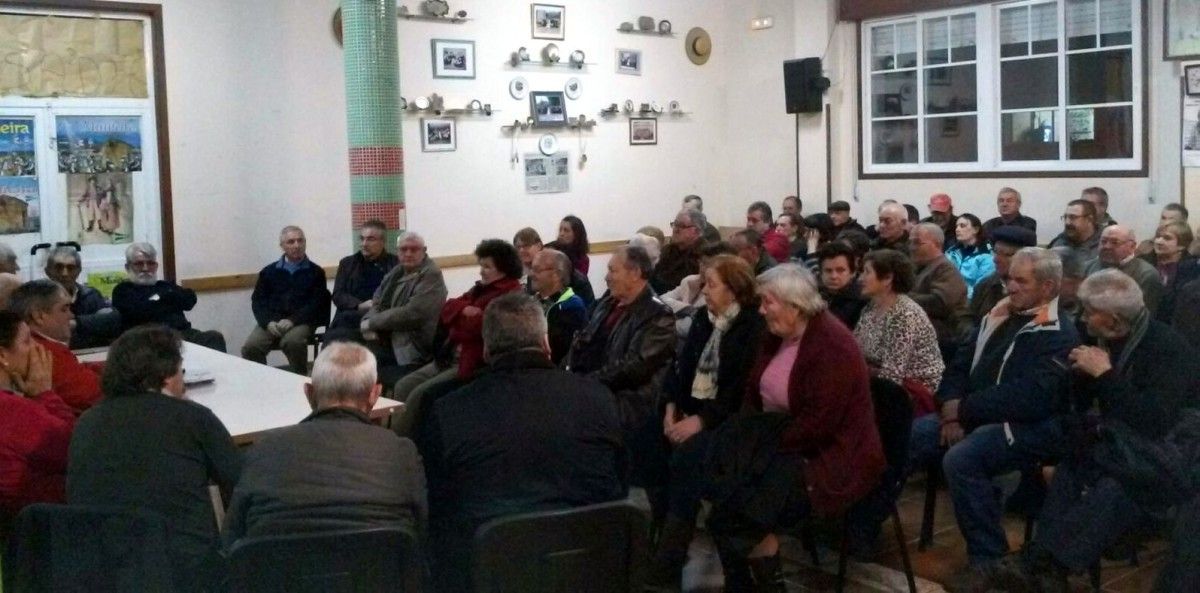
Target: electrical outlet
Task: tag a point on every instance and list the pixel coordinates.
(765, 22)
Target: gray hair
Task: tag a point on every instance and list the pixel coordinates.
(410, 236)
(650, 244)
(694, 198)
(141, 247)
(933, 231)
(636, 258)
(793, 284)
(1072, 264)
(291, 228)
(63, 251)
(562, 264)
(696, 217)
(37, 296)
(893, 209)
(1112, 291)
(343, 372)
(1009, 190)
(1047, 265)
(513, 322)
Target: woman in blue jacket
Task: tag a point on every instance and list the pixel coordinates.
(970, 253)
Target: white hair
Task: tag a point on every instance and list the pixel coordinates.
(932, 231)
(793, 284)
(410, 236)
(141, 247)
(1113, 292)
(650, 244)
(343, 372)
(1047, 264)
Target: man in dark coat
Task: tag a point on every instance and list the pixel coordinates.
(358, 276)
(839, 211)
(681, 257)
(1007, 240)
(565, 311)
(1008, 206)
(523, 436)
(143, 298)
(335, 470)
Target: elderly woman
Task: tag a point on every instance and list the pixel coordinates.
(704, 388)
(35, 423)
(1176, 267)
(895, 333)
(970, 253)
(145, 446)
(808, 444)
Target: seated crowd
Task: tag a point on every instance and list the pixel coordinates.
(739, 372)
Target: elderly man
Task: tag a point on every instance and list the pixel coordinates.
(758, 219)
(1117, 250)
(1140, 374)
(523, 436)
(1099, 198)
(938, 287)
(143, 298)
(358, 276)
(404, 311)
(681, 257)
(335, 470)
(629, 342)
(694, 202)
(839, 212)
(46, 308)
(748, 245)
(8, 260)
(1008, 206)
(529, 243)
(565, 311)
(1173, 212)
(892, 228)
(1006, 241)
(289, 302)
(96, 322)
(941, 213)
(792, 206)
(1002, 402)
(1080, 232)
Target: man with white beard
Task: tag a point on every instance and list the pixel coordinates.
(143, 298)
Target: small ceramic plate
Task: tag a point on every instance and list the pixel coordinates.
(518, 88)
(573, 88)
(421, 102)
(548, 144)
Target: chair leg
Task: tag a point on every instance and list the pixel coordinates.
(908, 570)
(933, 475)
(843, 552)
(1094, 576)
(810, 543)
(1029, 519)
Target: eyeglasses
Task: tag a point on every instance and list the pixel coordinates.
(1067, 217)
(676, 225)
(410, 248)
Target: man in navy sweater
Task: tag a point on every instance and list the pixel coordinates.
(290, 300)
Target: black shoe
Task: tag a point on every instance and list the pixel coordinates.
(666, 569)
(1030, 573)
(767, 574)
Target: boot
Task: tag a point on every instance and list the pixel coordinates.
(737, 573)
(767, 574)
(666, 570)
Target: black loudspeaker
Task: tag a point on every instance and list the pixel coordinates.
(803, 85)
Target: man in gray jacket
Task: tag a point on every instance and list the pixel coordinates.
(1118, 247)
(404, 315)
(939, 288)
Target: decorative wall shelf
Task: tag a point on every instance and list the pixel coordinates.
(573, 123)
(654, 33)
(451, 20)
(532, 64)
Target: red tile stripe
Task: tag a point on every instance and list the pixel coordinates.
(389, 213)
(377, 160)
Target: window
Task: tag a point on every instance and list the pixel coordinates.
(1067, 75)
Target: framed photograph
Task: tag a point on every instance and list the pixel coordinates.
(1191, 80)
(549, 108)
(439, 134)
(453, 58)
(1181, 30)
(643, 131)
(629, 61)
(548, 21)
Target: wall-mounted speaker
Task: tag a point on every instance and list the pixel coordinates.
(803, 85)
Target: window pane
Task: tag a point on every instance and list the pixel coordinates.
(962, 37)
(883, 47)
(1081, 24)
(1100, 77)
(906, 45)
(1029, 83)
(894, 94)
(1043, 20)
(1014, 32)
(937, 41)
(1100, 133)
(895, 141)
(1116, 23)
(950, 89)
(951, 140)
(1028, 136)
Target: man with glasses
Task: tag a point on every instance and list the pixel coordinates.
(1080, 233)
(358, 276)
(96, 322)
(694, 202)
(143, 298)
(1118, 247)
(529, 244)
(565, 312)
(681, 257)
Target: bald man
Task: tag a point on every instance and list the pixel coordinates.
(1118, 247)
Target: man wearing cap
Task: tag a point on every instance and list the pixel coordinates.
(941, 213)
(839, 211)
(1008, 204)
(1006, 242)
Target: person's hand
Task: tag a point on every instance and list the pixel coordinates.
(472, 311)
(952, 431)
(38, 372)
(1091, 360)
(668, 419)
(813, 237)
(685, 429)
(364, 306)
(273, 329)
(284, 326)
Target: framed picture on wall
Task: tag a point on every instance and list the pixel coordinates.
(629, 61)
(453, 58)
(549, 108)
(643, 131)
(1181, 30)
(548, 21)
(1191, 80)
(439, 134)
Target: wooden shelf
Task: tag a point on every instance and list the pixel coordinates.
(540, 64)
(452, 20)
(654, 33)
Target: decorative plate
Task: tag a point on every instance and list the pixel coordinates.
(437, 8)
(518, 88)
(548, 144)
(573, 88)
(421, 102)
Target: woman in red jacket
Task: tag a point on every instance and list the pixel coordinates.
(35, 424)
(806, 442)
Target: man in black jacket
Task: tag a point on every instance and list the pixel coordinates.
(358, 276)
(335, 470)
(680, 257)
(565, 311)
(143, 298)
(523, 436)
(289, 301)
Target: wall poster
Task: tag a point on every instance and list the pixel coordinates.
(16, 147)
(100, 208)
(1191, 131)
(547, 174)
(99, 144)
(20, 210)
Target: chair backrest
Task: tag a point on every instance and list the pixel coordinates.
(76, 548)
(893, 418)
(339, 561)
(594, 549)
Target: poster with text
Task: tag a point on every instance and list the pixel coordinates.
(100, 208)
(99, 144)
(16, 148)
(547, 174)
(20, 210)
(1191, 131)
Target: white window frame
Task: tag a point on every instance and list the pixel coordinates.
(987, 62)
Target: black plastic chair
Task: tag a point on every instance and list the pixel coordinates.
(594, 549)
(376, 560)
(60, 548)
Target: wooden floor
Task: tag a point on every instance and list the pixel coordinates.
(937, 565)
